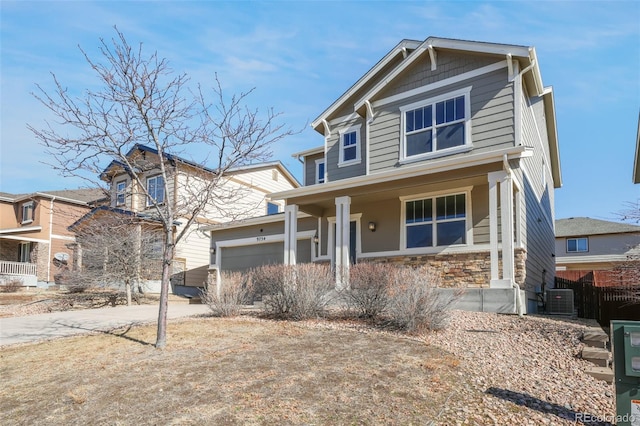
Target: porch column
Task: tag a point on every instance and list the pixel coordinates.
(343, 214)
(493, 225)
(290, 233)
(506, 211)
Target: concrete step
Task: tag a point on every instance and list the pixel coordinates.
(601, 373)
(595, 337)
(598, 356)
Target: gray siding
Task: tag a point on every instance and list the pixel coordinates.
(247, 257)
(492, 119)
(334, 172)
(480, 213)
(310, 168)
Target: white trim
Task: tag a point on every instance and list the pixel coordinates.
(421, 169)
(34, 240)
(33, 228)
(466, 190)
(311, 151)
(62, 237)
(566, 245)
(345, 118)
(148, 198)
(124, 192)
(459, 249)
(434, 153)
(317, 173)
(568, 260)
(290, 234)
(358, 146)
(433, 86)
(260, 239)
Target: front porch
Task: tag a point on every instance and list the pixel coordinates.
(25, 272)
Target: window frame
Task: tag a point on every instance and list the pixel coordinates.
(24, 252)
(357, 146)
(271, 203)
(577, 239)
(434, 153)
(468, 234)
(121, 193)
(149, 197)
(27, 211)
(321, 178)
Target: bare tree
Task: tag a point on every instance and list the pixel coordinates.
(117, 249)
(140, 100)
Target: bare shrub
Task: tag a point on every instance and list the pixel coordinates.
(294, 292)
(414, 300)
(75, 282)
(368, 294)
(236, 291)
(12, 286)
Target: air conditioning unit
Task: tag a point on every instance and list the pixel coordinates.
(560, 301)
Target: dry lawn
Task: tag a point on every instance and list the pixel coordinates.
(229, 371)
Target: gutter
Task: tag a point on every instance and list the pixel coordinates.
(514, 285)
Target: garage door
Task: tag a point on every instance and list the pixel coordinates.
(252, 256)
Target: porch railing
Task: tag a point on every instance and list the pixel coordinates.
(18, 268)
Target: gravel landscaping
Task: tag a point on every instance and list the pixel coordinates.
(530, 362)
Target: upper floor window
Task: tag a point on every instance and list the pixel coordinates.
(577, 245)
(349, 146)
(273, 208)
(27, 212)
(120, 192)
(320, 168)
(437, 125)
(155, 189)
(437, 221)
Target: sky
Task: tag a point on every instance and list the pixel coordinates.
(301, 56)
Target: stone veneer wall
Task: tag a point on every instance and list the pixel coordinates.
(469, 270)
(40, 256)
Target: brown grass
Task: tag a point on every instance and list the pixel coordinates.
(229, 371)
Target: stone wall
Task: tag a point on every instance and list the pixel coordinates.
(40, 256)
(460, 270)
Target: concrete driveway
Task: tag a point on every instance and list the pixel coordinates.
(34, 328)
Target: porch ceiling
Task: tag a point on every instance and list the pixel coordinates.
(320, 203)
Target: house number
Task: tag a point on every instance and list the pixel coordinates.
(261, 238)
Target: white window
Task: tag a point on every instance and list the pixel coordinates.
(320, 170)
(577, 245)
(349, 146)
(27, 212)
(24, 252)
(272, 208)
(120, 192)
(436, 126)
(435, 221)
(155, 189)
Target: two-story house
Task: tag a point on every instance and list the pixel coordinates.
(34, 237)
(584, 244)
(242, 192)
(444, 153)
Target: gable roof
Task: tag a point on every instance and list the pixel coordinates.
(636, 161)
(102, 210)
(175, 159)
(76, 196)
(584, 226)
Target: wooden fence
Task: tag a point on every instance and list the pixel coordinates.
(603, 303)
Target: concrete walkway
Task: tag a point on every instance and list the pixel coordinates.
(34, 328)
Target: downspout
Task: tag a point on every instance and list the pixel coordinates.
(50, 240)
(514, 285)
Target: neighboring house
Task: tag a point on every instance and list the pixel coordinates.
(248, 186)
(34, 237)
(585, 244)
(444, 153)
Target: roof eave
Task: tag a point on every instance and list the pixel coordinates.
(552, 132)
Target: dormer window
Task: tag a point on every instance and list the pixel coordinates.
(27, 212)
(155, 189)
(320, 168)
(436, 126)
(120, 192)
(349, 146)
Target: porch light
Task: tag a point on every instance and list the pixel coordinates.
(212, 249)
(316, 240)
(372, 226)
